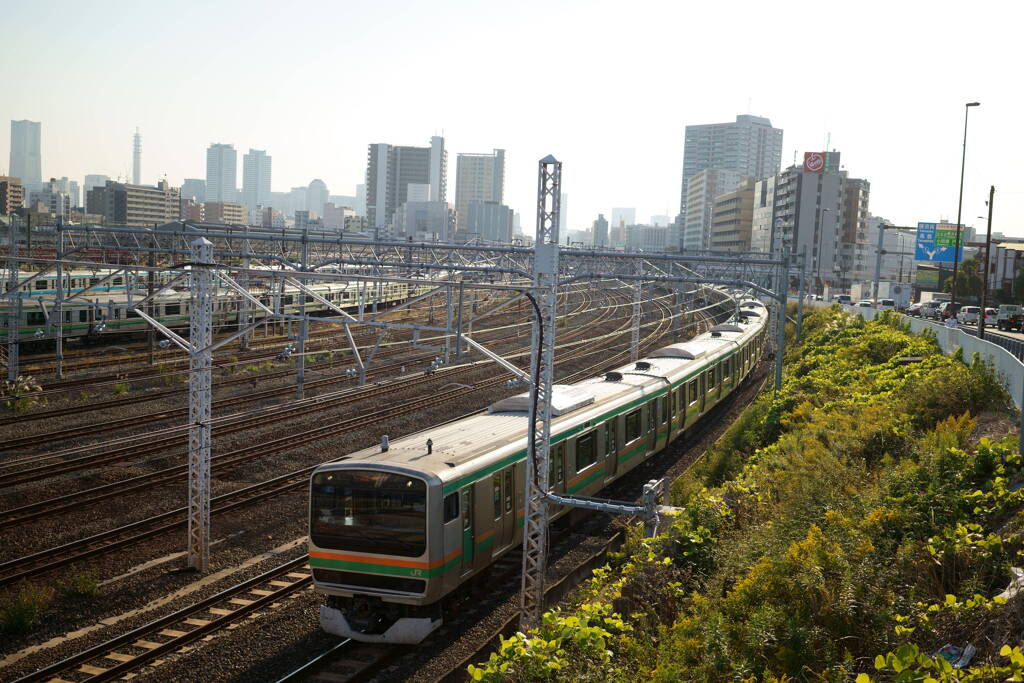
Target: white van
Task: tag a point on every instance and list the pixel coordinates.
(887, 304)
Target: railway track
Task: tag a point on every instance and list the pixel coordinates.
(129, 651)
(58, 557)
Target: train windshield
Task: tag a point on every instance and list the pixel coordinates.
(369, 511)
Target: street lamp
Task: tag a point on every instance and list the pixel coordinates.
(960, 206)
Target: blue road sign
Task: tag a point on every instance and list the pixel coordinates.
(934, 243)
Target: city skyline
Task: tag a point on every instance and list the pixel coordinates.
(901, 133)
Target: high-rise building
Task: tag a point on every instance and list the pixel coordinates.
(732, 216)
(703, 187)
(194, 188)
(316, 197)
(390, 169)
(297, 200)
(563, 214)
(600, 229)
(818, 211)
(12, 195)
(137, 158)
(646, 237)
(336, 216)
(26, 160)
(221, 173)
(490, 221)
(424, 221)
(360, 205)
(256, 167)
(625, 216)
(478, 178)
(135, 205)
(94, 180)
(748, 146)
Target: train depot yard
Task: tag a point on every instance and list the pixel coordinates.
(233, 455)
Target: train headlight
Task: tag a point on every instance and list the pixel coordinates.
(164, 343)
(39, 334)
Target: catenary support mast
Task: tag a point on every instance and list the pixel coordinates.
(199, 400)
(535, 531)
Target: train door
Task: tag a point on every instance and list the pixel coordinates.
(467, 529)
(504, 510)
(611, 446)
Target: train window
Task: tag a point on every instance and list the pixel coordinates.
(611, 440)
(663, 403)
(508, 490)
(83, 316)
(651, 410)
(118, 281)
(633, 425)
(369, 511)
(172, 309)
(586, 451)
(41, 284)
(557, 464)
(35, 318)
(132, 314)
(679, 399)
(309, 299)
(691, 390)
(711, 377)
(451, 507)
(287, 300)
(497, 496)
(93, 281)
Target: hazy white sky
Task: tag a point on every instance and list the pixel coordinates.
(607, 87)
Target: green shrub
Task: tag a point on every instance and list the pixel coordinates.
(81, 585)
(21, 609)
(121, 388)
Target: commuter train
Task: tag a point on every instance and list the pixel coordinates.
(394, 532)
(99, 311)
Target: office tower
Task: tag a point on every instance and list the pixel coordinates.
(748, 146)
(256, 166)
(489, 221)
(94, 180)
(423, 221)
(732, 215)
(26, 160)
(646, 238)
(478, 178)
(136, 205)
(137, 158)
(600, 228)
(316, 197)
(703, 187)
(221, 173)
(623, 216)
(390, 169)
(194, 188)
(661, 220)
(12, 195)
(297, 200)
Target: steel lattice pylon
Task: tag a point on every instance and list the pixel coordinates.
(199, 387)
(535, 530)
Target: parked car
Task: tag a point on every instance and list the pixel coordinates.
(914, 310)
(990, 316)
(864, 303)
(968, 315)
(1010, 317)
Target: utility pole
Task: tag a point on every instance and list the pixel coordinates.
(13, 304)
(800, 292)
(535, 528)
(300, 362)
(985, 265)
(638, 288)
(199, 405)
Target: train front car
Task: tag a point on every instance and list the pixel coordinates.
(372, 553)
